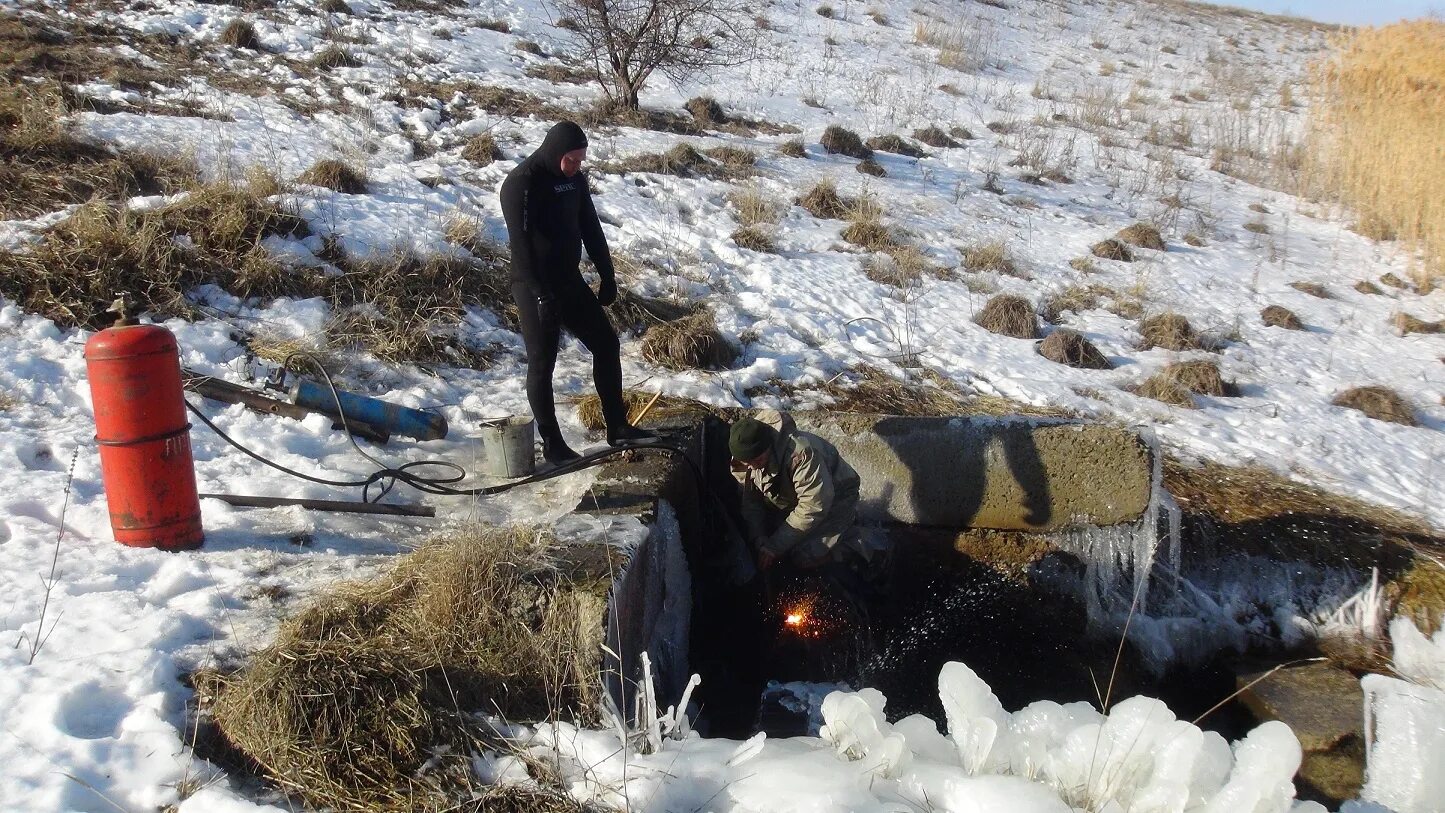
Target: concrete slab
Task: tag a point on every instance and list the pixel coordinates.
(978, 472)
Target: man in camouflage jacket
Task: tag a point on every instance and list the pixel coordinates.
(799, 496)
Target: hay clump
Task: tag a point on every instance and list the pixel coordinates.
(481, 150)
(636, 313)
(1071, 349)
(1364, 286)
(894, 144)
(1199, 376)
(1112, 249)
(935, 137)
(1280, 316)
(1076, 299)
(842, 141)
(690, 343)
(823, 201)
(706, 111)
(1161, 388)
(733, 158)
(239, 33)
(870, 167)
(988, 256)
(1170, 331)
(1314, 289)
(885, 270)
(351, 702)
(1009, 315)
(666, 409)
(755, 207)
(336, 175)
(869, 233)
(334, 56)
(1407, 324)
(1393, 280)
(755, 238)
(793, 148)
(1380, 403)
(1194, 240)
(1143, 235)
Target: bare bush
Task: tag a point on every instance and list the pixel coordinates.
(627, 41)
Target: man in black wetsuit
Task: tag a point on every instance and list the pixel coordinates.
(548, 208)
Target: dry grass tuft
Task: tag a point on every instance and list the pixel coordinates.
(336, 175)
(1376, 131)
(334, 56)
(1112, 249)
(481, 150)
(706, 111)
(870, 167)
(1076, 299)
(1073, 350)
(842, 141)
(793, 148)
(733, 158)
(1393, 280)
(1143, 235)
(1009, 315)
(1194, 240)
(991, 256)
(868, 390)
(869, 232)
(885, 270)
(43, 166)
(1170, 331)
(239, 33)
(824, 201)
(690, 343)
(1280, 316)
(636, 314)
(755, 238)
(1380, 403)
(894, 144)
(755, 207)
(349, 706)
(1364, 286)
(1166, 391)
(1200, 376)
(335, 7)
(934, 137)
(666, 409)
(1256, 227)
(1407, 324)
(1314, 289)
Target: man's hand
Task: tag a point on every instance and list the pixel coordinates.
(766, 559)
(607, 292)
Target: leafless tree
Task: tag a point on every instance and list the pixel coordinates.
(629, 40)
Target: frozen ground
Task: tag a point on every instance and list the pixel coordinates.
(1139, 104)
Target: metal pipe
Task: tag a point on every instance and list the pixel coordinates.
(337, 506)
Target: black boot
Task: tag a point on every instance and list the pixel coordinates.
(627, 433)
(556, 451)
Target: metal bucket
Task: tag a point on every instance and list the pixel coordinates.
(509, 447)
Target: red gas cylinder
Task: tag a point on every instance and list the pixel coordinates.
(144, 439)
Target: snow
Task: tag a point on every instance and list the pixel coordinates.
(98, 720)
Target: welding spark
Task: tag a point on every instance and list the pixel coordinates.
(795, 619)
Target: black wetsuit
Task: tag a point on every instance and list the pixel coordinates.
(549, 218)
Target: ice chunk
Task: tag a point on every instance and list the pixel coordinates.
(853, 723)
(1404, 744)
(1262, 781)
(1418, 658)
(977, 722)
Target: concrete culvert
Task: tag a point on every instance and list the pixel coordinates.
(1142, 235)
(1380, 403)
(1280, 316)
(1170, 331)
(1009, 315)
(1112, 249)
(1073, 350)
(690, 343)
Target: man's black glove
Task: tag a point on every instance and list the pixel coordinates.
(546, 311)
(607, 292)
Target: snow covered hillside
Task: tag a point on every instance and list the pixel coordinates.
(1029, 132)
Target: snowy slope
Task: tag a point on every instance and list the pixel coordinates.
(97, 720)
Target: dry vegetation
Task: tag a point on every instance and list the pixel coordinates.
(1280, 316)
(869, 390)
(1143, 235)
(824, 201)
(1112, 249)
(664, 409)
(1376, 129)
(1380, 403)
(842, 141)
(348, 707)
(1170, 331)
(336, 175)
(1069, 348)
(481, 150)
(690, 343)
(1164, 390)
(1009, 315)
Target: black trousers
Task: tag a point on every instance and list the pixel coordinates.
(576, 308)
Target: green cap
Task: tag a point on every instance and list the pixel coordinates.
(748, 438)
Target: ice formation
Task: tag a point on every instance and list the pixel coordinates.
(1045, 758)
(1405, 725)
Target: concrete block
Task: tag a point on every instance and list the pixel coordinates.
(980, 472)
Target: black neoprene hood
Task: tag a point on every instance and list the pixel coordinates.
(564, 137)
